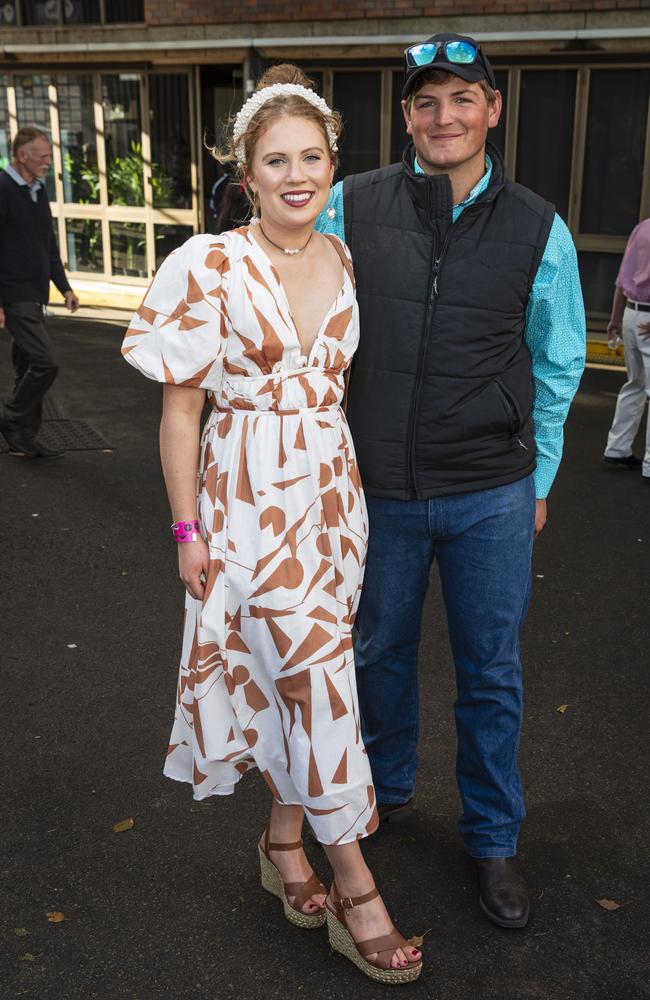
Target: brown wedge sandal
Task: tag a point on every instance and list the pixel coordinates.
(301, 891)
(384, 947)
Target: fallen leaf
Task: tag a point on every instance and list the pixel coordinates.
(72, 645)
(124, 572)
(124, 824)
(27, 957)
(418, 939)
(608, 904)
(21, 931)
(55, 917)
(561, 709)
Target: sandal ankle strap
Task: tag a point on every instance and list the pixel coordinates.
(349, 902)
(270, 846)
(341, 904)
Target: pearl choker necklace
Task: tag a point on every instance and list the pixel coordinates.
(288, 250)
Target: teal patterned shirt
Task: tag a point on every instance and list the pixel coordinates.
(555, 329)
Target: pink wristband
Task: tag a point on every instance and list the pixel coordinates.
(185, 531)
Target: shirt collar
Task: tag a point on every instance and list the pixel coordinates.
(476, 190)
(21, 180)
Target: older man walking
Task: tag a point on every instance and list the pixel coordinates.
(472, 346)
(631, 319)
(29, 259)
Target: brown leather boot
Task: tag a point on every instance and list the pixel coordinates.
(503, 893)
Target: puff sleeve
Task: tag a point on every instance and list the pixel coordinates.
(179, 332)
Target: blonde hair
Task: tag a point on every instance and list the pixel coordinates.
(280, 106)
(438, 76)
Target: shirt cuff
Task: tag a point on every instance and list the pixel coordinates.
(544, 476)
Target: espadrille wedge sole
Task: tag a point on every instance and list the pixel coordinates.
(342, 942)
(302, 891)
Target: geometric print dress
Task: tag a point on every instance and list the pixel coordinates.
(267, 672)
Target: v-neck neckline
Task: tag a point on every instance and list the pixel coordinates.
(294, 328)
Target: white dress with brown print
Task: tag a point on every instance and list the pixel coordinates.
(267, 672)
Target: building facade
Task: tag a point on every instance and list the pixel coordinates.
(131, 92)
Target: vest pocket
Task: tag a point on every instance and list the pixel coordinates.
(510, 405)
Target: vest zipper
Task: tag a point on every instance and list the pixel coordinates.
(437, 255)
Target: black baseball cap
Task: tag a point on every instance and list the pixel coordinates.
(450, 53)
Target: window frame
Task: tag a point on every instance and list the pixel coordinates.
(103, 211)
(62, 23)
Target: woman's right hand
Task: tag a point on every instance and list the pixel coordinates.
(193, 563)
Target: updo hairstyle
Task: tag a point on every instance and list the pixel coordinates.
(280, 106)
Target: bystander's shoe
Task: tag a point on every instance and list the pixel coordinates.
(389, 811)
(630, 461)
(43, 452)
(503, 893)
(18, 445)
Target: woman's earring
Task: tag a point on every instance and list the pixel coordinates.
(331, 212)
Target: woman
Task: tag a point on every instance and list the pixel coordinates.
(265, 320)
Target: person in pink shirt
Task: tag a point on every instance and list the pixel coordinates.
(630, 320)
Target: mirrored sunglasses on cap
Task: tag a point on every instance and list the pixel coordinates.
(460, 52)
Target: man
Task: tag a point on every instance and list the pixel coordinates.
(28, 260)
(631, 318)
(472, 346)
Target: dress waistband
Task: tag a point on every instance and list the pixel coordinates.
(218, 407)
(281, 391)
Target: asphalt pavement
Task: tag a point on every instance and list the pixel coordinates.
(171, 907)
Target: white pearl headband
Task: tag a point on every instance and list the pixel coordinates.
(254, 103)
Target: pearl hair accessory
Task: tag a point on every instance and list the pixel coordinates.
(254, 103)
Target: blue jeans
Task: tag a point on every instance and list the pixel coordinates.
(482, 543)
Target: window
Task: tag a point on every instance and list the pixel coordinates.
(168, 238)
(169, 113)
(497, 135)
(5, 143)
(398, 136)
(33, 108)
(597, 276)
(8, 16)
(55, 12)
(614, 150)
(84, 240)
(547, 100)
(129, 249)
(123, 137)
(124, 11)
(41, 11)
(358, 97)
(78, 142)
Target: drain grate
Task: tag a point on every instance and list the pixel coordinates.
(67, 435)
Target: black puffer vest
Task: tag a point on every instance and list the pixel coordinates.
(441, 387)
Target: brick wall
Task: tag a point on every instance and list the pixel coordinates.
(229, 11)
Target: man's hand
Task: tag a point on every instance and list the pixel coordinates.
(71, 301)
(614, 335)
(2, 317)
(644, 330)
(193, 564)
(540, 516)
